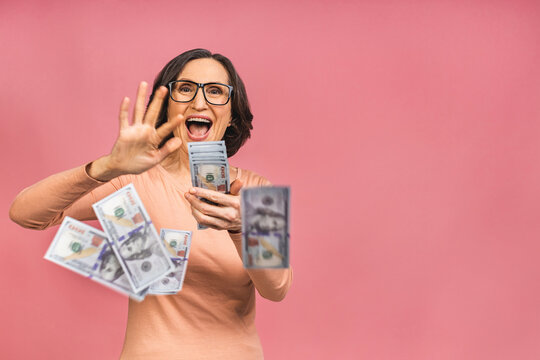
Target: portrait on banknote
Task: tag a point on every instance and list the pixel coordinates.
(109, 268)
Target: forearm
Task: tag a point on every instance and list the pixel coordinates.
(44, 203)
(72, 192)
(272, 284)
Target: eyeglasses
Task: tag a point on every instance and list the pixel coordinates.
(184, 91)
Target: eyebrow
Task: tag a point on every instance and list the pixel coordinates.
(219, 82)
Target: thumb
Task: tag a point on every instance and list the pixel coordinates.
(170, 146)
(236, 186)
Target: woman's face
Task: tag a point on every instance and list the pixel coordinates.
(218, 117)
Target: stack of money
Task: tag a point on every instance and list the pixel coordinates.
(178, 243)
(133, 237)
(265, 227)
(86, 251)
(209, 167)
(129, 256)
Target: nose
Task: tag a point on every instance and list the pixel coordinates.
(199, 103)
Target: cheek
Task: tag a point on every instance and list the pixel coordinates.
(224, 119)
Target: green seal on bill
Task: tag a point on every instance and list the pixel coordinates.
(76, 247)
(173, 243)
(119, 212)
(209, 177)
(266, 254)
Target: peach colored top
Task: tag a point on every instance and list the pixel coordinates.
(213, 316)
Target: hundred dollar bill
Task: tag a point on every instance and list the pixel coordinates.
(265, 227)
(209, 167)
(133, 238)
(178, 243)
(86, 251)
(211, 175)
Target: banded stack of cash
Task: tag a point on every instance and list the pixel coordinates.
(209, 166)
(265, 227)
(178, 243)
(86, 251)
(133, 238)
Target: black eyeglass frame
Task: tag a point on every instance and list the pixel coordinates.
(199, 86)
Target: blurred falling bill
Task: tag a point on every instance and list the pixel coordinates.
(265, 227)
(209, 167)
(178, 243)
(133, 238)
(86, 251)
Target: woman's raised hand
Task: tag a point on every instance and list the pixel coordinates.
(136, 148)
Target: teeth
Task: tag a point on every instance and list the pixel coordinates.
(200, 120)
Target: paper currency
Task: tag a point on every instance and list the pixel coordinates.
(133, 238)
(178, 244)
(209, 167)
(86, 251)
(265, 227)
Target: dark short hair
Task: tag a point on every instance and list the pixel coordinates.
(240, 129)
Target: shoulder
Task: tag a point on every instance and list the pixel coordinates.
(251, 178)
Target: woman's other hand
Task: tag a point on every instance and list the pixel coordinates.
(226, 215)
(136, 148)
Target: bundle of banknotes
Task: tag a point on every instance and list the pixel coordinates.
(129, 256)
(265, 227)
(265, 210)
(85, 250)
(209, 167)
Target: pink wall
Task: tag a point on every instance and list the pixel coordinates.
(408, 131)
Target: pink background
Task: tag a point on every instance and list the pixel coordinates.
(408, 131)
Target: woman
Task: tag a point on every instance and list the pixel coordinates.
(213, 316)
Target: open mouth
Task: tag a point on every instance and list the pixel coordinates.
(198, 128)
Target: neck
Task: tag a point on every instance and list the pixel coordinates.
(177, 163)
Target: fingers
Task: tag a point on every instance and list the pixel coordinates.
(138, 113)
(236, 186)
(170, 146)
(210, 221)
(169, 126)
(124, 113)
(216, 197)
(154, 108)
(216, 217)
(226, 213)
